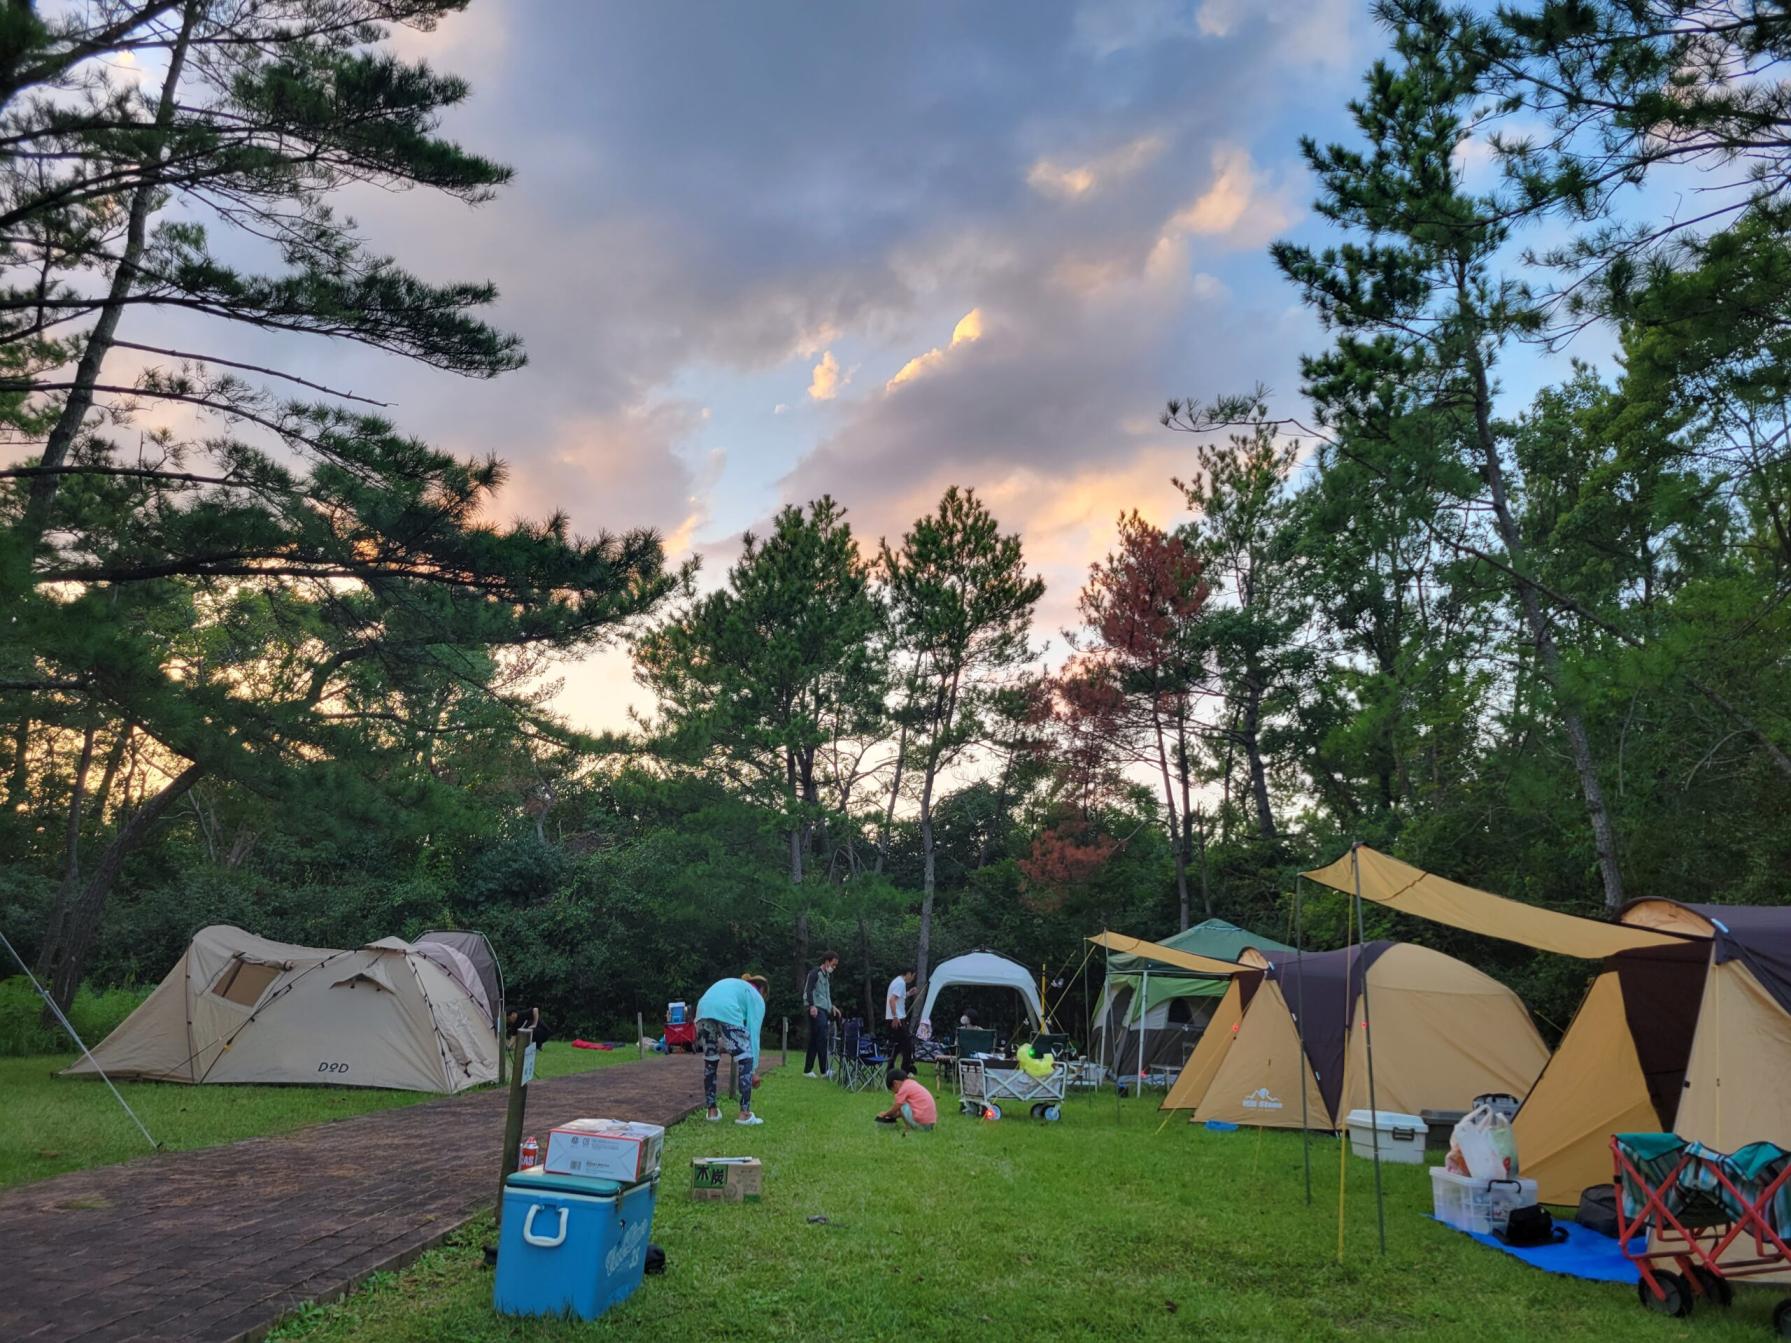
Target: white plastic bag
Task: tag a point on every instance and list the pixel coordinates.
(1486, 1145)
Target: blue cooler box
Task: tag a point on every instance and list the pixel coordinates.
(570, 1245)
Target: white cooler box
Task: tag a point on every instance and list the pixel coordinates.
(1401, 1136)
(1479, 1206)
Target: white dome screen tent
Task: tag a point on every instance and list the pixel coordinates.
(983, 970)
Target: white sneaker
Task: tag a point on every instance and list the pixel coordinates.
(713, 1116)
(814, 1074)
(749, 1120)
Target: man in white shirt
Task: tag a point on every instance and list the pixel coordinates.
(895, 1021)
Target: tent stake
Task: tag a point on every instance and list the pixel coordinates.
(1374, 1114)
(1300, 1031)
(75, 1035)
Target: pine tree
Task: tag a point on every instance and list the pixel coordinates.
(961, 603)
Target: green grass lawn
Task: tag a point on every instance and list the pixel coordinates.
(1101, 1226)
(51, 1124)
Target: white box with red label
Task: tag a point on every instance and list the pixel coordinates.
(611, 1149)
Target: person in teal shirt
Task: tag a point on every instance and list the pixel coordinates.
(730, 1017)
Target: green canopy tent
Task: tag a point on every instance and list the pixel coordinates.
(1150, 1015)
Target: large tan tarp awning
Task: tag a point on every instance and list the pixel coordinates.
(1411, 890)
(1156, 951)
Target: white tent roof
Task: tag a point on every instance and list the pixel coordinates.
(984, 969)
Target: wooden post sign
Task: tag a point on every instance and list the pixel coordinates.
(522, 1072)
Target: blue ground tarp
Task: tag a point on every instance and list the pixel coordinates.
(1584, 1254)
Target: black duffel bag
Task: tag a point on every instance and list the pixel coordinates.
(1531, 1226)
(1598, 1209)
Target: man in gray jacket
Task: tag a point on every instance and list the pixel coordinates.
(817, 996)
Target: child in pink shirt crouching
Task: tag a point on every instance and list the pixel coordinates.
(913, 1106)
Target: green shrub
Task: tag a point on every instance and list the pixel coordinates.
(95, 1015)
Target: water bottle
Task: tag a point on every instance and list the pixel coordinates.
(531, 1155)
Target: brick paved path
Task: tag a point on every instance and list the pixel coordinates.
(218, 1244)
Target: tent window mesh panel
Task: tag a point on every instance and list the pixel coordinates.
(243, 982)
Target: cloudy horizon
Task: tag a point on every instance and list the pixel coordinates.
(762, 253)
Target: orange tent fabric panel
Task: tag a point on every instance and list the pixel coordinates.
(1411, 890)
(1738, 1080)
(1258, 1081)
(1156, 951)
(1443, 1034)
(1215, 1042)
(1592, 1088)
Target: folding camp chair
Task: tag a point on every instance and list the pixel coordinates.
(974, 1040)
(861, 1064)
(1057, 1045)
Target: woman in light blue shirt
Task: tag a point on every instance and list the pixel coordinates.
(730, 1017)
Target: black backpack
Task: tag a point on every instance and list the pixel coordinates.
(1531, 1226)
(1598, 1210)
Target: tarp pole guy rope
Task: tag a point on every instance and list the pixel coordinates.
(76, 1037)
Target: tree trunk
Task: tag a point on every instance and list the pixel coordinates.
(1206, 892)
(1176, 817)
(794, 834)
(63, 961)
(801, 950)
(77, 796)
(926, 881)
(1548, 653)
(895, 791)
(1252, 743)
(19, 784)
(105, 328)
(870, 973)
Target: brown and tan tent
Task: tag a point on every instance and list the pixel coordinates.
(1443, 1034)
(241, 1008)
(1687, 1029)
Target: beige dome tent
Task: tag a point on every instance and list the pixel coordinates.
(1443, 1034)
(241, 1008)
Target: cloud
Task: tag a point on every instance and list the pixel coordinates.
(968, 331)
(1067, 182)
(1319, 32)
(1239, 207)
(826, 382)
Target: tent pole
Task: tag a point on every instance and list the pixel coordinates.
(74, 1035)
(1300, 1031)
(1343, 1146)
(1143, 1029)
(1374, 1114)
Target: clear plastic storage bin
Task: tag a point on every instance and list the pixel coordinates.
(1479, 1206)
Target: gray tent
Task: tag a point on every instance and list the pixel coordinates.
(476, 948)
(241, 1008)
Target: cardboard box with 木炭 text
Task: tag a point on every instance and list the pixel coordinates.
(726, 1179)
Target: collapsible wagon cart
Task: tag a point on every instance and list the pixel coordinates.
(680, 1029)
(1706, 1218)
(983, 1088)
